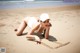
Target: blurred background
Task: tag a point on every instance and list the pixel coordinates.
(10, 4)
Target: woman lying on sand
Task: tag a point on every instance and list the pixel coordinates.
(38, 25)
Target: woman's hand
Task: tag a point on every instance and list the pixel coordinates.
(37, 39)
(47, 25)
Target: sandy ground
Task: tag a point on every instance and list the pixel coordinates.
(65, 28)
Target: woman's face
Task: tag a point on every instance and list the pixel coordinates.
(46, 23)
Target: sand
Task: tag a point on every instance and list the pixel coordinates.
(65, 28)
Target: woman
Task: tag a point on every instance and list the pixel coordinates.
(38, 25)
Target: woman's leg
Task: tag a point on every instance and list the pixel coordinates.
(21, 28)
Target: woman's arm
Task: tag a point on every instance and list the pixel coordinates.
(31, 36)
(46, 32)
(33, 29)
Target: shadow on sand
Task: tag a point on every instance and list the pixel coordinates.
(51, 39)
(41, 36)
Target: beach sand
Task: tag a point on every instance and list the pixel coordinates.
(65, 28)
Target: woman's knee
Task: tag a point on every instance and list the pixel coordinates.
(25, 20)
(18, 34)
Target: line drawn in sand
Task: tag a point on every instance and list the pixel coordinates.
(51, 40)
(55, 47)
